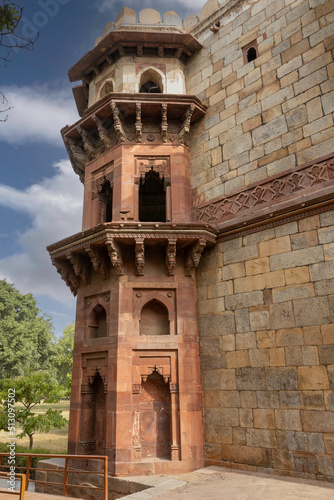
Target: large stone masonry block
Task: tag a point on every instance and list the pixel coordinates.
(281, 379)
(312, 378)
(288, 420)
(250, 379)
(318, 421)
(296, 258)
(312, 311)
(270, 131)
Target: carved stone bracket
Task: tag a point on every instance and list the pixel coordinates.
(103, 132)
(193, 256)
(183, 134)
(139, 126)
(164, 123)
(171, 256)
(78, 157)
(66, 272)
(88, 142)
(115, 256)
(136, 388)
(118, 123)
(98, 259)
(140, 257)
(79, 265)
(174, 388)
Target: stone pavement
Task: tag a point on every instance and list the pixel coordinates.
(217, 483)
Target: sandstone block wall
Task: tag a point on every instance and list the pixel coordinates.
(266, 306)
(268, 115)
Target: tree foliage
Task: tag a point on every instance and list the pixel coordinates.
(27, 341)
(64, 357)
(31, 390)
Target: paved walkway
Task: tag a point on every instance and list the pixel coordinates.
(217, 483)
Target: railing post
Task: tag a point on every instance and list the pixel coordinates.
(66, 477)
(23, 485)
(105, 478)
(28, 472)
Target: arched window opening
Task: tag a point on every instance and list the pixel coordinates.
(154, 319)
(150, 88)
(106, 199)
(150, 82)
(155, 418)
(97, 325)
(106, 88)
(251, 54)
(152, 198)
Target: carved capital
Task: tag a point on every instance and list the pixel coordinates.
(66, 272)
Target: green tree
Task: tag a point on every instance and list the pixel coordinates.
(31, 390)
(64, 357)
(27, 341)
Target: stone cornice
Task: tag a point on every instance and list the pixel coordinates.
(308, 186)
(118, 42)
(105, 249)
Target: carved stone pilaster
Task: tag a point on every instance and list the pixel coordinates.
(139, 126)
(183, 134)
(118, 123)
(171, 256)
(103, 132)
(98, 260)
(140, 257)
(164, 123)
(115, 255)
(193, 256)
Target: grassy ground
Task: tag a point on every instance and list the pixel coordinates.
(55, 441)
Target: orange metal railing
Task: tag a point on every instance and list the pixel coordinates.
(22, 478)
(65, 484)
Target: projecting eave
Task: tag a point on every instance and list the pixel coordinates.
(110, 46)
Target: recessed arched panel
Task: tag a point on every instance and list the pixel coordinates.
(97, 323)
(155, 418)
(106, 88)
(154, 319)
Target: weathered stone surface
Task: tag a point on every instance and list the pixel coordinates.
(280, 379)
(312, 377)
(250, 379)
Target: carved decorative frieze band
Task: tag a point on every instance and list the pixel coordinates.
(303, 180)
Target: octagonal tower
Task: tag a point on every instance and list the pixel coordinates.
(136, 389)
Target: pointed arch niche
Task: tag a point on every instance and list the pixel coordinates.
(154, 312)
(151, 80)
(93, 415)
(97, 323)
(155, 418)
(152, 197)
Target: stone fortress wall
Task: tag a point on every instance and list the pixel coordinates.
(266, 294)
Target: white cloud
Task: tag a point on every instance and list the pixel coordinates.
(29, 119)
(179, 6)
(55, 209)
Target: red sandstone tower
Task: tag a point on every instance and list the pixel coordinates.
(136, 390)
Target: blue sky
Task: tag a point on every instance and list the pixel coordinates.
(40, 196)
